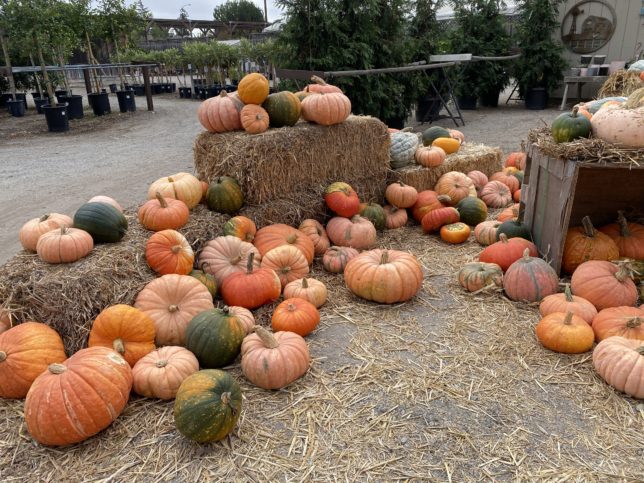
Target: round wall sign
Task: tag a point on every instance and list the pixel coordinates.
(588, 26)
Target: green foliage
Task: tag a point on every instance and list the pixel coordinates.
(541, 63)
(239, 10)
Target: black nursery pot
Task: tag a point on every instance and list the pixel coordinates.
(56, 117)
(126, 101)
(536, 98)
(16, 108)
(466, 102)
(100, 103)
(139, 90)
(490, 98)
(112, 88)
(75, 106)
(173, 86)
(39, 102)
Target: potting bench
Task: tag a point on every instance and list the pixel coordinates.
(579, 81)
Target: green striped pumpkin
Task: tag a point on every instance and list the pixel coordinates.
(101, 220)
(224, 195)
(207, 406)
(284, 109)
(215, 337)
(472, 210)
(375, 214)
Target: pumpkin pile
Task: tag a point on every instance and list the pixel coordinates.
(429, 149)
(254, 110)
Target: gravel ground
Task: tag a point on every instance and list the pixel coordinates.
(121, 154)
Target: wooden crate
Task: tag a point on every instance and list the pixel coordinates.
(557, 193)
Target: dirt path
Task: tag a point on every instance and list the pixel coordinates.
(122, 154)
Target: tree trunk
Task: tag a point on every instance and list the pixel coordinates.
(50, 88)
(33, 64)
(118, 55)
(61, 60)
(7, 63)
(92, 60)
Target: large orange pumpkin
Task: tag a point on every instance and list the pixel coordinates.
(456, 185)
(496, 195)
(604, 284)
(620, 362)
(163, 214)
(220, 113)
(273, 236)
(295, 315)
(253, 88)
(530, 279)
(33, 229)
(287, 261)
(171, 302)
(160, 373)
(584, 243)
(629, 237)
(180, 186)
(384, 276)
(226, 255)
(315, 231)
(78, 398)
(507, 251)
(326, 109)
(401, 195)
(622, 321)
(25, 352)
(251, 288)
(64, 245)
(427, 201)
(168, 251)
(357, 232)
(567, 302)
(126, 330)
(565, 332)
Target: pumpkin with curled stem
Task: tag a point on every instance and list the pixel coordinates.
(326, 109)
(623, 321)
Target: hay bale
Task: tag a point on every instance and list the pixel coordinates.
(282, 164)
(68, 297)
(620, 83)
(470, 157)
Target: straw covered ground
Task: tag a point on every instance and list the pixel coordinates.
(468, 158)
(447, 387)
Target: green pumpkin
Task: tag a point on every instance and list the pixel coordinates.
(570, 126)
(207, 406)
(472, 210)
(514, 229)
(434, 132)
(105, 223)
(375, 214)
(518, 175)
(284, 109)
(207, 279)
(402, 149)
(224, 195)
(214, 337)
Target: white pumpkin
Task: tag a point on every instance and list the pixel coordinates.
(623, 125)
(403, 148)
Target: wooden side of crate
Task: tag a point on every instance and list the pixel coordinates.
(557, 194)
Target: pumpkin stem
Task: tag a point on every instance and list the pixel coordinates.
(292, 238)
(170, 180)
(635, 322)
(640, 350)
(176, 249)
(384, 258)
(249, 264)
(503, 238)
(623, 224)
(226, 309)
(267, 338)
(588, 227)
(3, 356)
(57, 368)
(63, 230)
(568, 318)
(575, 110)
(173, 308)
(526, 253)
(318, 80)
(445, 199)
(119, 346)
(44, 218)
(161, 199)
(568, 293)
(161, 363)
(223, 93)
(225, 397)
(305, 283)
(291, 307)
(622, 274)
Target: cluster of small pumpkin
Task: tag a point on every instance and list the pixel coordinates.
(253, 109)
(428, 150)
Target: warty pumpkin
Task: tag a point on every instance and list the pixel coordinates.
(273, 361)
(622, 321)
(530, 279)
(315, 231)
(253, 88)
(273, 236)
(335, 259)
(402, 149)
(567, 302)
(251, 288)
(254, 119)
(475, 276)
(629, 237)
(401, 195)
(207, 405)
(124, 329)
(287, 261)
(214, 337)
(55, 418)
(171, 301)
(326, 109)
(168, 251)
(565, 332)
(240, 227)
(384, 276)
(35, 228)
(506, 251)
(224, 195)
(342, 199)
(584, 243)
(64, 245)
(620, 362)
(226, 255)
(220, 113)
(456, 185)
(357, 232)
(25, 352)
(309, 289)
(163, 214)
(295, 315)
(160, 373)
(180, 186)
(604, 284)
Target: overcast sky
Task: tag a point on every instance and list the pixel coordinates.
(200, 9)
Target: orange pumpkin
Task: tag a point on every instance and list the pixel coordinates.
(435, 219)
(530, 279)
(565, 332)
(6, 320)
(273, 236)
(510, 213)
(507, 179)
(401, 195)
(220, 113)
(163, 214)
(168, 251)
(485, 232)
(320, 86)
(516, 196)
(430, 157)
(455, 233)
(309, 289)
(240, 227)
(620, 362)
(629, 237)
(180, 186)
(384, 276)
(394, 217)
(253, 88)
(449, 145)
(326, 109)
(287, 261)
(126, 330)
(226, 255)
(254, 119)
(456, 185)
(295, 315)
(336, 258)
(100, 380)
(427, 201)
(496, 195)
(357, 232)
(584, 243)
(507, 251)
(33, 229)
(171, 301)
(603, 284)
(65, 245)
(567, 302)
(25, 352)
(160, 373)
(480, 180)
(342, 199)
(315, 231)
(622, 321)
(252, 288)
(517, 158)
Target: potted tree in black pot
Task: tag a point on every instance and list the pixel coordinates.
(540, 68)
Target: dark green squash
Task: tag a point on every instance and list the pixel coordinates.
(215, 337)
(434, 132)
(284, 109)
(207, 279)
(472, 210)
(105, 223)
(207, 406)
(224, 195)
(518, 175)
(514, 229)
(375, 214)
(570, 126)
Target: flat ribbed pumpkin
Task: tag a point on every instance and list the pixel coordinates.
(620, 362)
(326, 108)
(273, 236)
(168, 251)
(124, 329)
(336, 258)
(622, 321)
(288, 262)
(226, 255)
(214, 337)
(565, 332)
(160, 373)
(64, 245)
(357, 232)
(475, 276)
(567, 302)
